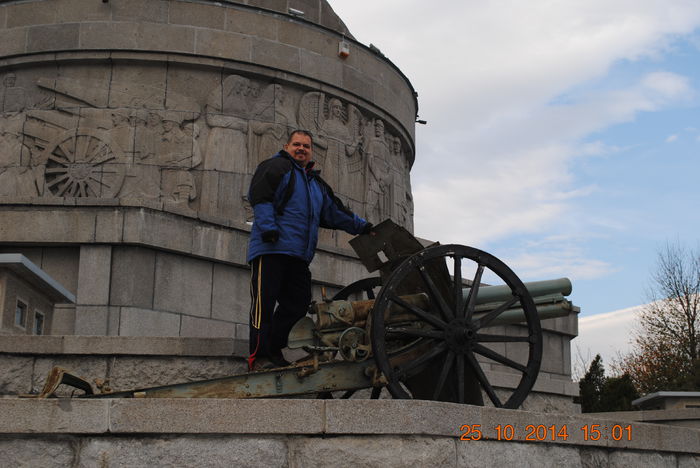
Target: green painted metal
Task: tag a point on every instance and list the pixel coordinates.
(535, 288)
(282, 382)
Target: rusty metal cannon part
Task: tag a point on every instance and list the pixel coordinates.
(353, 344)
(455, 335)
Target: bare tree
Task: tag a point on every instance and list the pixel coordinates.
(665, 353)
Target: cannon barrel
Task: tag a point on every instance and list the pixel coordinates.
(548, 296)
(489, 294)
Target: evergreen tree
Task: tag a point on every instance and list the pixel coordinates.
(591, 386)
(598, 393)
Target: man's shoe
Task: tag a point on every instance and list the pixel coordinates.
(277, 358)
(261, 364)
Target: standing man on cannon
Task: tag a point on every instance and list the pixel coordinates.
(290, 202)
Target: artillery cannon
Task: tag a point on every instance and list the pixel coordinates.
(422, 331)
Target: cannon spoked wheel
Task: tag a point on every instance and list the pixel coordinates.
(453, 330)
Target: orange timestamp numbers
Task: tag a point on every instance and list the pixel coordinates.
(542, 432)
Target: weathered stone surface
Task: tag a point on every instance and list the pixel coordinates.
(37, 452)
(72, 11)
(550, 403)
(252, 23)
(94, 274)
(378, 451)
(212, 43)
(144, 322)
(134, 10)
(53, 415)
(206, 328)
(229, 300)
(63, 321)
(48, 38)
(215, 243)
(594, 458)
(13, 41)
(627, 459)
(133, 273)
(309, 39)
(47, 226)
(157, 230)
(686, 461)
(192, 14)
(16, 372)
(185, 451)
(27, 14)
(108, 226)
(109, 35)
(494, 453)
(117, 345)
(398, 417)
(553, 347)
(136, 372)
(209, 415)
(321, 67)
(183, 285)
(61, 263)
(166, 37)
(275, 54)
(93, 320)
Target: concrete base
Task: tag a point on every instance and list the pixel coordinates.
(293, 433)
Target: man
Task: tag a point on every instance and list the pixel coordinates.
(290, 201)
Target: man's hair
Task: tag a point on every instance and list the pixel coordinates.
(300, 132)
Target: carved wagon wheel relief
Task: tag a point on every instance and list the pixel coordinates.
(81, 163)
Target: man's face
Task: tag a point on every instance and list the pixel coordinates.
(336, 110)
(379, 128)
(300, 148)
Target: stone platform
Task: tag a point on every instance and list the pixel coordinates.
(327, 433)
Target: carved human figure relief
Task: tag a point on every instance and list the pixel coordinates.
(379, 178)
(14, 98)
(181, 191)
(267, 138)
(17, 178)
(226, 148)
(336, 131)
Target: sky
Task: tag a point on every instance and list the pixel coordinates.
(562, 136)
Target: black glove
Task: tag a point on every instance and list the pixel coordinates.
(367, 228)
(270, 236)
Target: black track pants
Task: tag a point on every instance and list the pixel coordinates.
(281, 280)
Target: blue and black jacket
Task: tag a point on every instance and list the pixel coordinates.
(289, 204)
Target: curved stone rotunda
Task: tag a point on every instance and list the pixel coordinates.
(129, 131)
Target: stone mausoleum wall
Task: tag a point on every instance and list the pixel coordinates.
(129, 131)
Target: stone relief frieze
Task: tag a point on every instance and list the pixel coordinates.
(81, 162)
(91, 138)
(337, 128)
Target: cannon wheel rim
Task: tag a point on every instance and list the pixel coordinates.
(365, 285)
(461, 323)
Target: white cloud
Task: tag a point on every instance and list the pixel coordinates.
(671, 138)
(607, 334)
(508, 91)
